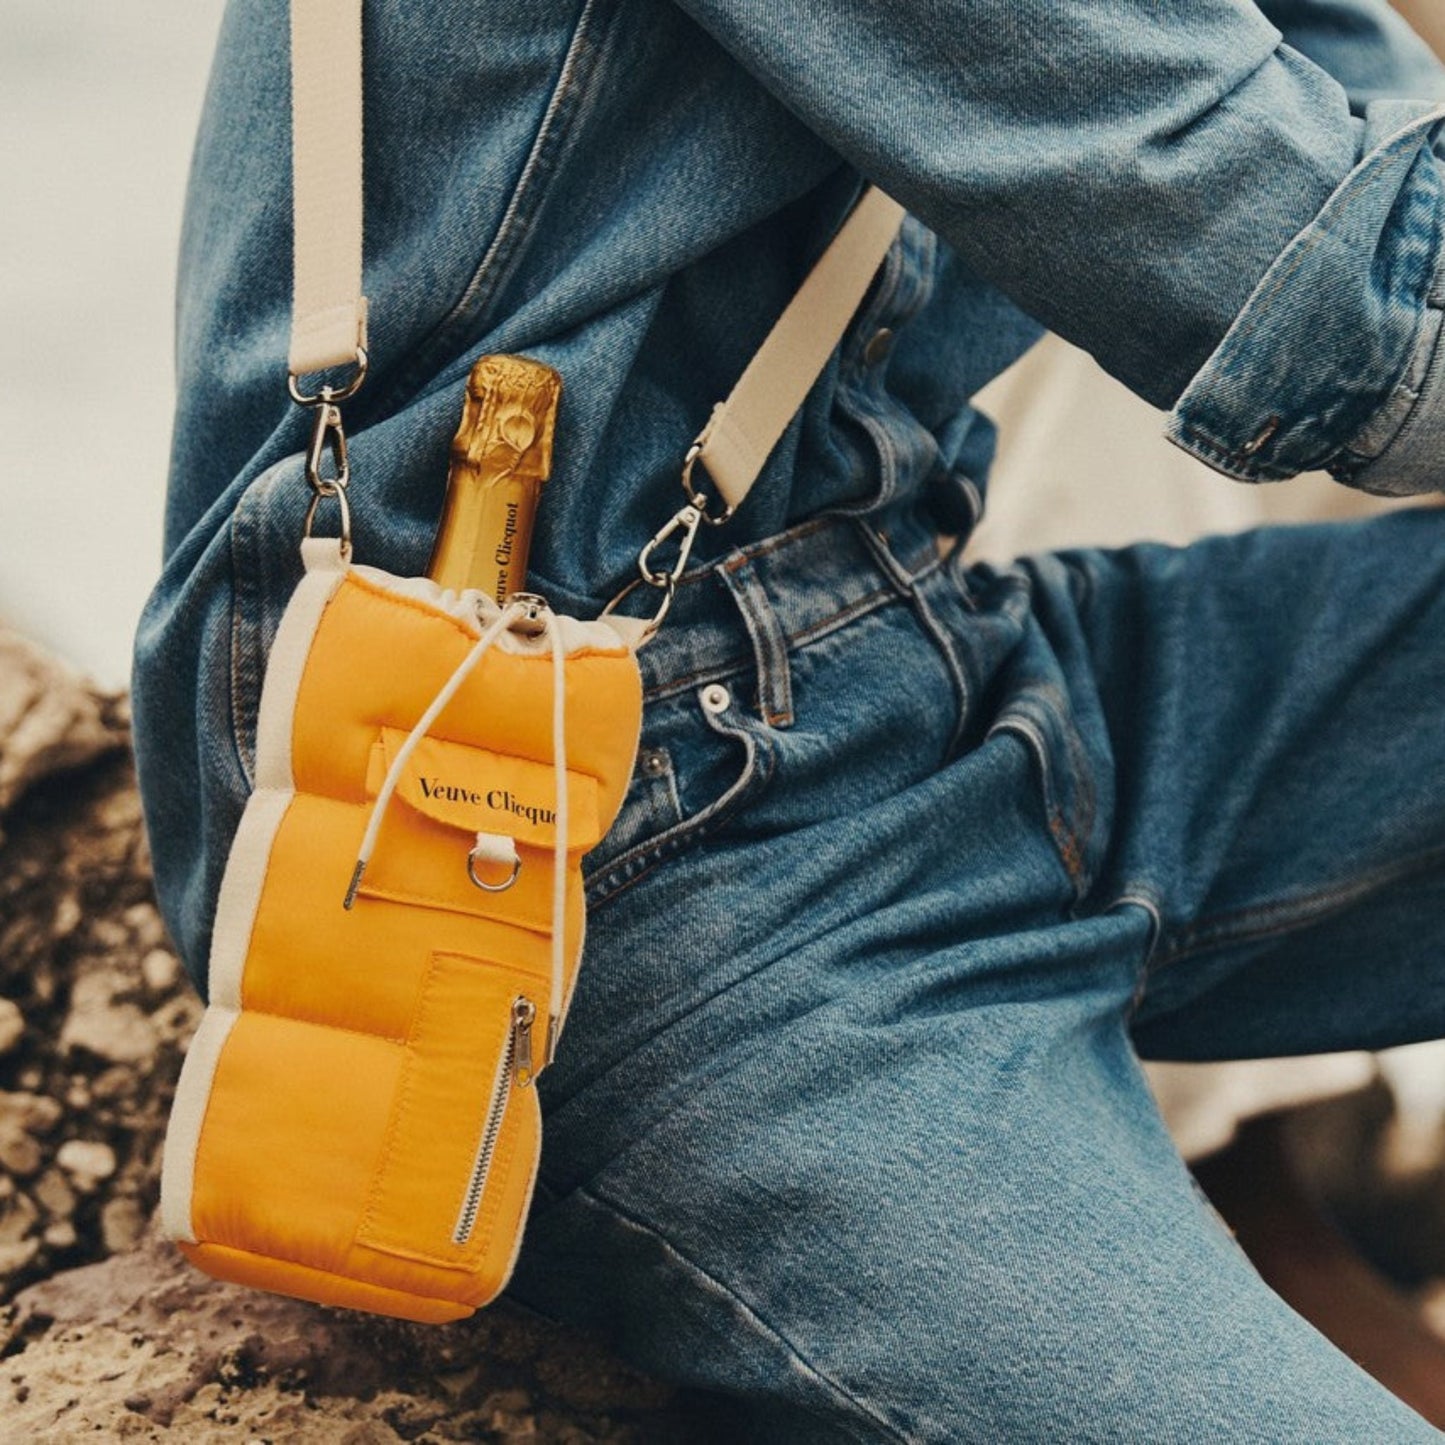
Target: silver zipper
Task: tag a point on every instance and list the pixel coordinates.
(513, 1068)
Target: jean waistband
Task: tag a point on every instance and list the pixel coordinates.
(750, 607)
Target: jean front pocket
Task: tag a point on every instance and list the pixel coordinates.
(703, 756)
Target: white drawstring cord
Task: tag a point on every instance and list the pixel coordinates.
(423, 726)
(559, 847)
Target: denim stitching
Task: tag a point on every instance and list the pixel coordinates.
(1348, 464)
(814, 632)
(1266, 920)
(846, 1398)
(1071, 854)
(246, 666)
(770, 645)
(671, 687)
(635, 863)
(1232, 459)
(958, 674)
(766, 547)
(852, 394)
(901, 292)
(1144, 899)
(861, 607)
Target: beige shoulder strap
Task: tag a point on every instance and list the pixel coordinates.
(328, 323)
(743, 430)
(328, 311)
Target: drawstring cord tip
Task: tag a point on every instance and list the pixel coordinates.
(355, 882)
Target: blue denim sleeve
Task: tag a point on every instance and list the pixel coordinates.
(1365, 44)
(1173, 188)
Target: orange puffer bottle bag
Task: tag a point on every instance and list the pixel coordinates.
(355, 1122)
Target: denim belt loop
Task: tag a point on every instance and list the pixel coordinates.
(919, 583)
(769, 638)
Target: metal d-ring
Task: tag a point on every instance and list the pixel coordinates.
(491, 887)
(700, 499)
(324, 394)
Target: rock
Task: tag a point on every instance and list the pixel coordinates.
(60, 1235)
(68, 914)
(112, 1030)
(121, 1224)
(18, 1216)
(146, 929)
(110, 934)
(77, 918)
(86, 1161)
(50, 719)
(53, 1194)
(20, 1154)
(115, 1083)
(146, 1337)
(161, 970)
(34, 1113)
(14, 1257)
(372, 1432)
(22, 1117)
(12, 1026)
(177, 1019)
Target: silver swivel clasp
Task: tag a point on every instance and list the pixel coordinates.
(328, 441)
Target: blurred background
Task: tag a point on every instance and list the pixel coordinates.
(1330, 1169)
(98, 107)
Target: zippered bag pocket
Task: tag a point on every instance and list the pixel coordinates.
(459, 1156)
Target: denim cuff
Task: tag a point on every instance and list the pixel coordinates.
(1332, 362)
(1402, 452)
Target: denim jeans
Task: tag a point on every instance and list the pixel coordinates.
(849, 1123)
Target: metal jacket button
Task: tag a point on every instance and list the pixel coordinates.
(878, 347)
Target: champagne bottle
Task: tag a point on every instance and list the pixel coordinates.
(500, 458)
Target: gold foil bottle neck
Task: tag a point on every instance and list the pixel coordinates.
(500, 458)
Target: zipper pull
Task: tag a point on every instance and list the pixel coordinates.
(524, 1011)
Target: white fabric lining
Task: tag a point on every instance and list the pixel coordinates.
(245, 876)
(478, 610)
(183, 1128)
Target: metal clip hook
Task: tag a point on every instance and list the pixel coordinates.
(686, 520)
(328, 435)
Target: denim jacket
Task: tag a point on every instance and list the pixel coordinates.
(1238, 211)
